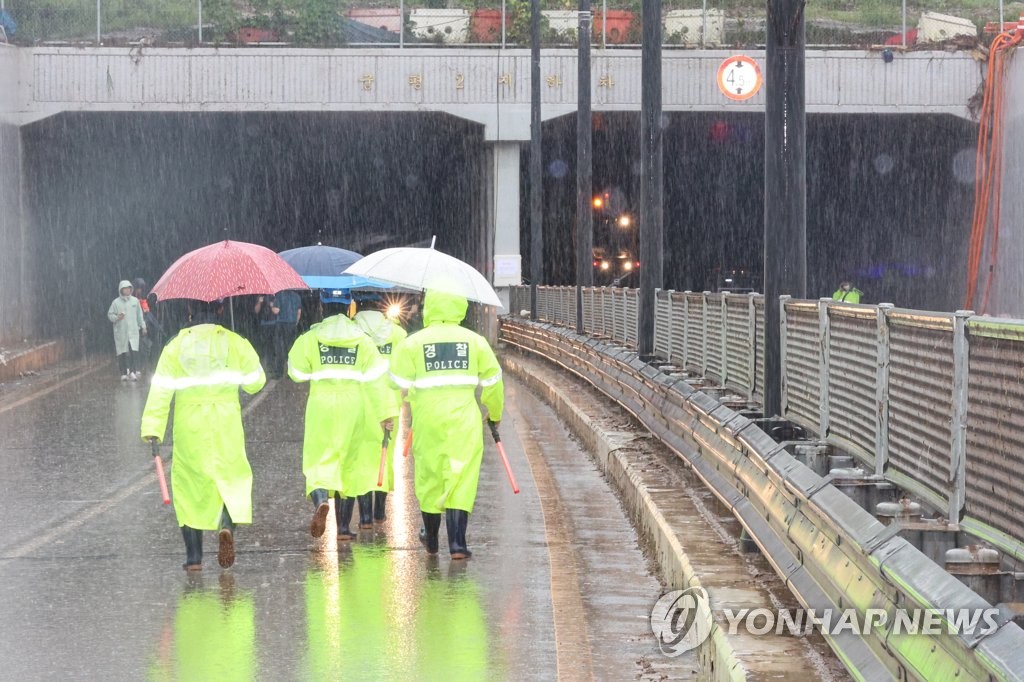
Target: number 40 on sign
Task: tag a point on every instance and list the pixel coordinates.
(739, 77)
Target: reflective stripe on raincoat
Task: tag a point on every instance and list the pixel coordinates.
(347, 379)
(387, 334)
(441, 367)
(201, 369)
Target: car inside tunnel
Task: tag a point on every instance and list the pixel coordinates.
(122, 195)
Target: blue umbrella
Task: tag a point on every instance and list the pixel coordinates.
(321, 266)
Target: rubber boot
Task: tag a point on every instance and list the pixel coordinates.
(379, 498)
(343, 514)
(455, 522)
(193, 548)
(319, 520)
(428, 533)
(366, 510)
(226, 540)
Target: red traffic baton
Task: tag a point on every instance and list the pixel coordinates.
(408, 444)
(504, 459)
(159, 463)
(383, 458)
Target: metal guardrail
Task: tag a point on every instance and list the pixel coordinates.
(832, 553)
(933, 402)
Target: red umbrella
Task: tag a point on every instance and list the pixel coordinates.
(227, 269)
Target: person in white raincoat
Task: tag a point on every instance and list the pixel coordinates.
(125, 314)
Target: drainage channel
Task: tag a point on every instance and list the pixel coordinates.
(687, 536)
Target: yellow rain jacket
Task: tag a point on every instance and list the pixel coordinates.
(441, 367)
(387, 334)
(201, 369)
(345, 407)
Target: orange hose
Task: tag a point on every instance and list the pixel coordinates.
(988, 169)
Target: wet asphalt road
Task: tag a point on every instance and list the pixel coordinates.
(91, 585)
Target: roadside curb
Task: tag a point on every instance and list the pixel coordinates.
(32, 359)
(717, 657)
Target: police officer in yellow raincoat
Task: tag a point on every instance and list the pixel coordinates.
(386, 333)
(201, 369)
(441, 367)
(346, 408)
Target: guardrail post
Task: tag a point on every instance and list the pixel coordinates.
(704, 334)
(958, 453)
(783, 356)
(725, 338)
(882, 389)
(751, 344)
(686, 326)
(824, 342)
(604, 314)
(668, 321)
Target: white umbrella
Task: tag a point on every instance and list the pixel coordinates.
(418, 268)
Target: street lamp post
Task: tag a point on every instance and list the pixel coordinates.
(536, 196)
(785, 181)
(584, 168)
(651, 178)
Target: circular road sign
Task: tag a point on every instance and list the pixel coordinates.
(739, 77)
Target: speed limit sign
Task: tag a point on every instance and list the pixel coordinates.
(739, 77)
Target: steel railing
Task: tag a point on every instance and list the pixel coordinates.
(933, 402)
(832, 553)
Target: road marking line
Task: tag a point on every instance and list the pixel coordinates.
(572, 642)
(54, 387)
(79, 519)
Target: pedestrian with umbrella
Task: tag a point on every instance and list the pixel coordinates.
(347, 408)
(201, 370)
(386, 333)
(441, 366)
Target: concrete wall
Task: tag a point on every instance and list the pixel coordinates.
(16, 318)
(1007, 297)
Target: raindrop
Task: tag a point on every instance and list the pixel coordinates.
(964, 165)
(558, 168)
(883, 164)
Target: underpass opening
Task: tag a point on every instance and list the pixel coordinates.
(117, 196)
(889, 202)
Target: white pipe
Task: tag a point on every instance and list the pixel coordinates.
(903, 32)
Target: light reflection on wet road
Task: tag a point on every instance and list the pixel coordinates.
(91, 584)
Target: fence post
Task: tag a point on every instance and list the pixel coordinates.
(686, 327)
(199, 12)
(751, 345)
(882, 389)
(668, 321)
(824, 341)
(704, 334)
(958, 450)
(99, 12)
(784, 379)
(725, 338)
